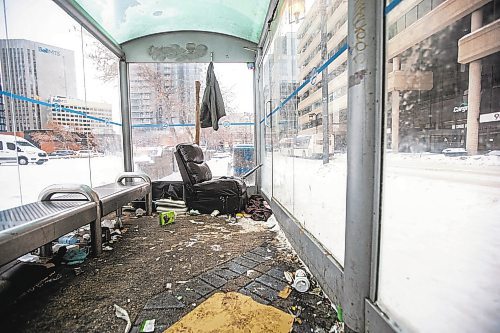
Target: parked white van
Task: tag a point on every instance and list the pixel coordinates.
(15, 149)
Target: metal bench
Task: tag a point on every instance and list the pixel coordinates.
(28, 227)
(123, 191)
(64, 208)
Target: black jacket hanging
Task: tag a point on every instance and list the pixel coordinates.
(212, 106)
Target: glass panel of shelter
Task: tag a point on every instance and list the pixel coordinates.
(162, 98)
(441, 173)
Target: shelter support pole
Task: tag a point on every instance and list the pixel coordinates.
(364, 149)
(126, 123)
(197, 115)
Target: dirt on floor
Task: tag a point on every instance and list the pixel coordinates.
(140, 265)
(151, 259)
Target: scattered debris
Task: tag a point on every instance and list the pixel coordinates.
(108, 224)
(194, 212)
(139, 212)
(300, 282)
(258, 208)
(75, 257)
(169, 286)
(70, 238)
(231, 219)
(107, 248)
(167, 217)
(285, 292)
(147, 325)
(288, 277)
(215, 213)
(252, 273)
(221, 310)
(196, 222)
(29, 258)
(123, 314)
(216, 247)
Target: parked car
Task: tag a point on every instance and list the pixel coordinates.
(85, 153)
(493, 153)
(62, 154)
(16, 149)
(454, 152)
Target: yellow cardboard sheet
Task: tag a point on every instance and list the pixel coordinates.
(235, 313)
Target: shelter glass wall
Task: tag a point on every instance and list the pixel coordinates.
(308, 172)
(163, 105)
(60, 103)
(439, 230)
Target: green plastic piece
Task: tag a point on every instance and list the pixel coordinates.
(166, 217)
(340, 316)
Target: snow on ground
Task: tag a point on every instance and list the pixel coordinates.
(440, 242)
(22, 184)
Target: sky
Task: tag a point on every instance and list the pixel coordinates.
(43, 21)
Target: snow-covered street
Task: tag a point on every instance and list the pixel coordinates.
(440, 234)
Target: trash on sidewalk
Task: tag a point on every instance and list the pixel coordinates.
(196, 222)
(215, 213)
(216, 247)
(128, 208)
(147, 325)
(29, 258)
(71, 238)
(139, 212)
(300, 282)
(288, 277)
(123, 314)
(258, 208)
(165, 218)
(170, 205)
(194, 212)
(107, 248)
(75, 257)
(108, 224)
(221, 311)
(178, 211)
(285, 292)
(252, 273)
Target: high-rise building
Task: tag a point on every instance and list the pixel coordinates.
(443, 74)
(80, 123)
(161, 93)
(36, 71)
(309, 110)
(3, 127)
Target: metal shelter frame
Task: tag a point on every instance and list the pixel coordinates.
(355, 286)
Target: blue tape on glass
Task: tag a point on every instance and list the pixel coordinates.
(391, 6)
(58, 108)
(342, 49)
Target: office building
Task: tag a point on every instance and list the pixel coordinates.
(164, 93)
(80, 123)
(36, 71)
